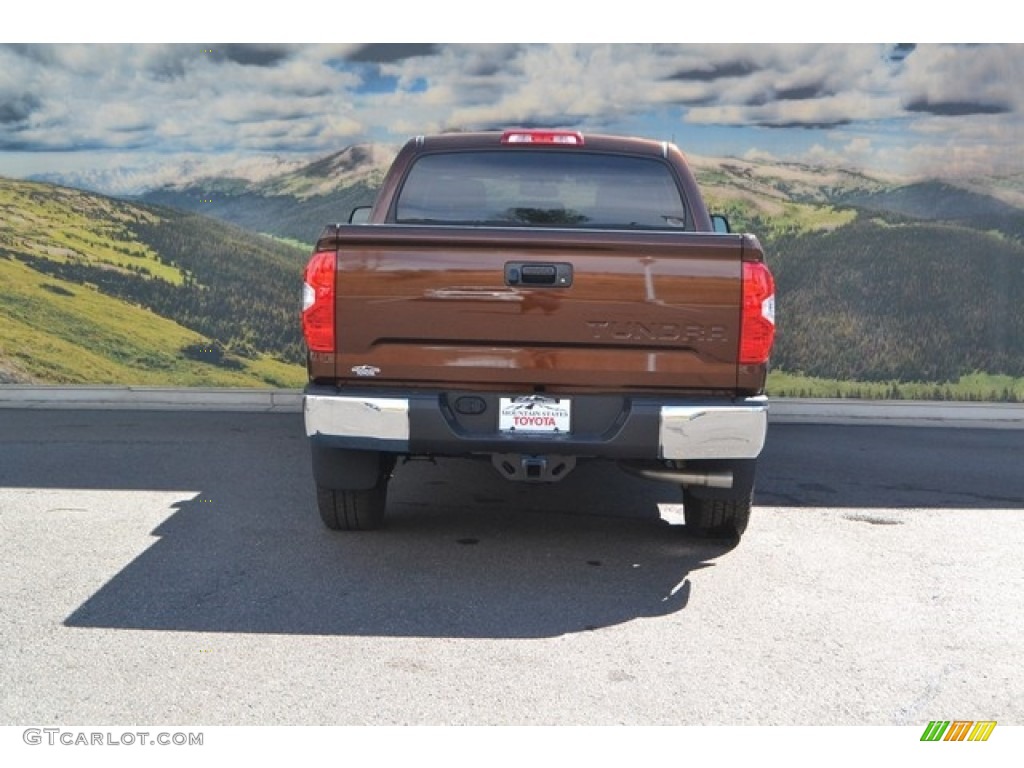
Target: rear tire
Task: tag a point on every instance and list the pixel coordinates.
(721, 512)
(344, 510)
(351, 487)
(716, 517)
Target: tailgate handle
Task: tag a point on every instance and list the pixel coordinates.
(541, 274)
(557, 275)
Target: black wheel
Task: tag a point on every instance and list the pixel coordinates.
(351, 487)
(716, 517)
(721, 512)
(344, 510)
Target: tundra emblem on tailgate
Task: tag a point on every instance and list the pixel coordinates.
(631, 330)
(365, 370)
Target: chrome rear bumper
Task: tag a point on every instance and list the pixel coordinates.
(650, 429)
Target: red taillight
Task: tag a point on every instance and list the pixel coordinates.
(572, 138)
(318, 302)
(757, 324)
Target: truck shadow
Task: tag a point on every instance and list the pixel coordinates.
(440, 572)
(464, 553)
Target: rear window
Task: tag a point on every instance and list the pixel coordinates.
(541, 189)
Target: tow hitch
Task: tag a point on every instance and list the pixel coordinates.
(529, 468)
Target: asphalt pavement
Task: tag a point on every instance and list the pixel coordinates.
(170, 567)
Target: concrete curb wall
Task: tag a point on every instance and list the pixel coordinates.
(782, 410)
(913, 413)
(151, 398)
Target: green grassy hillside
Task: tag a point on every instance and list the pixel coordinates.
(937, 201)
(897, 300)
(95, 290)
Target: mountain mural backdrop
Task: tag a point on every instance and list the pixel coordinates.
(885, 289)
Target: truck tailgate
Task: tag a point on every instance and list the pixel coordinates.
(492, 307)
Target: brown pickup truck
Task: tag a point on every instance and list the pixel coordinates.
(537, 298)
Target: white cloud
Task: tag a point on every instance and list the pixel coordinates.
(964, 77)
(888, 109)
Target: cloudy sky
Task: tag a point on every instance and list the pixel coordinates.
(131, 114)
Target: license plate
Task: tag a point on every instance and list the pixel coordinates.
(534, 413)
